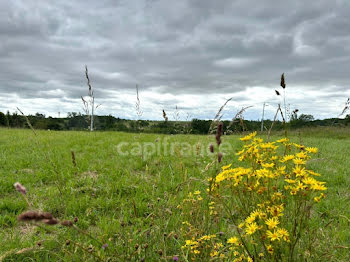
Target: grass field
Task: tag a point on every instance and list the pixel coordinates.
(126, 198)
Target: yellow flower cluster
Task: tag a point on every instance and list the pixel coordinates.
(268, 165)
(205, 244)
(268, 199)
(194, 197)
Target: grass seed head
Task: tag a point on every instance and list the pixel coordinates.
(219, 133)
(28, 216)
(20, 188)
(211, 148)
(52, 221)
(282, 81)
(67, 223)
(219, 157)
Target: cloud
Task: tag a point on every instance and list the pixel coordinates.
(194, 54)
(235, 62)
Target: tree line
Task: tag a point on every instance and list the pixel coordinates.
(78, 121)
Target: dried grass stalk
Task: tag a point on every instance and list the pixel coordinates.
(217, 117)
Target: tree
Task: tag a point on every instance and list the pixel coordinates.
(306, 118)
(3, 121)
(200, 126)
(41, 116)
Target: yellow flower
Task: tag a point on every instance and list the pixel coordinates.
(299, 161)
(226, 167)
(293, 192)
(273, 236)
(299, 171)
(290, 181)
(268, 165)
(309, 181)
(287, 158)
(218, 245)
(249, 259)
(276, 196)
(251, 228)
(318, 186)
(233, 240)
(269, 249)
(240, 152)
(272, 222)
(207, 237)
(301, 155)
(248, 137)
(299, 146)
(313, 150)
(284, 234)
(276, 211)
(300, 186)
(268, 146)
(214, 253)
(196, 251)
(283, 140)
(191, 243)
(250, 219)
(313, 173)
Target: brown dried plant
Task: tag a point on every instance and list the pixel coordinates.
(165, 116)
(237, 118)
(217, 117)
(137, 104)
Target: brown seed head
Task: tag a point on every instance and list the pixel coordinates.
(20, 188)
(211, 148)
(73, 159)
(219, 133)
(52, 221)
(67, 223)
(28, 216)
(219, 157)
(282, 81)
(45, 215)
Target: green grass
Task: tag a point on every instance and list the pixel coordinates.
(129, 201)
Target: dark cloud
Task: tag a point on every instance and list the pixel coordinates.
(203, 50)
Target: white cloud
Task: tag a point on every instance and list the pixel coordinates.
(235, 62)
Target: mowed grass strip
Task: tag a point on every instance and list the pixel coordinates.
(127, 197)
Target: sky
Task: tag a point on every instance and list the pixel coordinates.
(192, 55)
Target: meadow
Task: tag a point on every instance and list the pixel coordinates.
(125, 193)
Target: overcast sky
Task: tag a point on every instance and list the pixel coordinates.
(191, 54)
